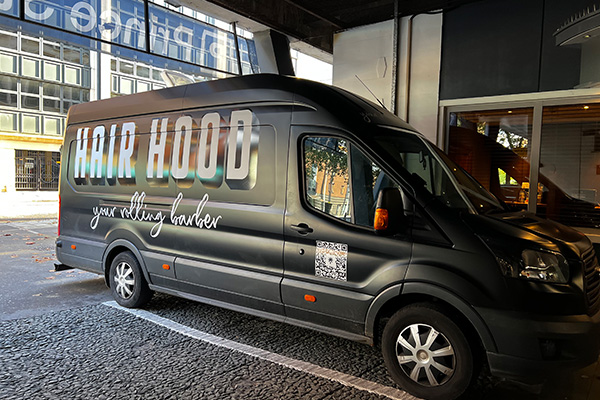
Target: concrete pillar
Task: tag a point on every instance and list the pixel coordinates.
(273, 52)
(423, 56)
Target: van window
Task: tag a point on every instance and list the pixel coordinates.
(349, 194)
(327, 177)
(367, 181)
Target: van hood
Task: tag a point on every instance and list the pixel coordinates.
(523, 226)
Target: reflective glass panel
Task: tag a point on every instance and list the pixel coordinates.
(570, 166)
(8, 63)
(31, 67)
(31, 123)
(52, 50)
(30, 45)
(327, 177)
(51, 126)
(8, 41)
(8, 121)
(30, 102)
(51, 89)
(8, 83)
(28, 86)
(494, 147)
(51, 71)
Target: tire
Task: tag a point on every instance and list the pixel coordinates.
(127, 283)
(440, 366)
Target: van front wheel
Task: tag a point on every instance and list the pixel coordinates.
(427, 354)
(127, 283)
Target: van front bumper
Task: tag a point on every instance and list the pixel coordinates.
(530, 347)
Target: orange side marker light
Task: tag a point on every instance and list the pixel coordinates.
(166, 267)
(73, 246)
(310, 298)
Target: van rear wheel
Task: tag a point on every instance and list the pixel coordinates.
(427, 354)
(127, 283)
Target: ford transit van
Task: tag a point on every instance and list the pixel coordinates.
(304, 203)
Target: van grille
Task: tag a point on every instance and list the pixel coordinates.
(591, 281)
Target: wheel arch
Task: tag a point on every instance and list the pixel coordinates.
(395, 297)
(115, 248)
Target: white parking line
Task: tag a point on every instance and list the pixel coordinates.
(303, 366)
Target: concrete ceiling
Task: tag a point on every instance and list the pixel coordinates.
(315, 21)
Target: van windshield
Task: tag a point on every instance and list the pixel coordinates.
(427, 166)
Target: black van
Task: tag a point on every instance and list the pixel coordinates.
(303, 203)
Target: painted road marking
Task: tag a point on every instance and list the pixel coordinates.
(299, 365)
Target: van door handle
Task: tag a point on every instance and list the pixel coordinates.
(302, 228)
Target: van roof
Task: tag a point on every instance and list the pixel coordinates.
(345, 107)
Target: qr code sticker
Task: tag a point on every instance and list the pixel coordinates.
(331, 260)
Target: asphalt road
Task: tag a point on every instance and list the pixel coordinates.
(62, 337)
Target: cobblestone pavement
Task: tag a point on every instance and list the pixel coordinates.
(82, 347)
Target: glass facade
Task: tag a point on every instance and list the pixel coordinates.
(495, 148)
(66, 52)
(570, 164)
(549, 165)
(40, 79)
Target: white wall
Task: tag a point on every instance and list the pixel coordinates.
(367, 51)
(308, 67)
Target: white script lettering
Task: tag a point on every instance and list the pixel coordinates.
(138, 211)
(206, 221)
(101, 212)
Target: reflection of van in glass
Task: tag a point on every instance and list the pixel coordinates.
(508, 176)
(303, 203)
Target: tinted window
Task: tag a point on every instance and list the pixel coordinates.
(326, 174)
(343, 192)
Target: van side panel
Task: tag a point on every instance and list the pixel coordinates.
(199, 192)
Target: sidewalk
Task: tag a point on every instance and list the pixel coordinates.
(28, 205)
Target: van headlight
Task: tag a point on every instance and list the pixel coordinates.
(539, 265)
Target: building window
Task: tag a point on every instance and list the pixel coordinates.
(31, 123)
(51, 71)
(8, 63)
(8, 122)
(326, 169)
(8, 41)
(52, 126)
(36, 170)
(30, 67)
(494, 147)
(570, 165)
(130, 77)
(38, 86)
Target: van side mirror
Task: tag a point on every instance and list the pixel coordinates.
(389, 213)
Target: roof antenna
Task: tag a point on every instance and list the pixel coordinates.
(370, 91)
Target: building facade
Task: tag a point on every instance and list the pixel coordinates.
(56, 53)
(510, 89)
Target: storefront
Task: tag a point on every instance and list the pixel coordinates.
(522, 112)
